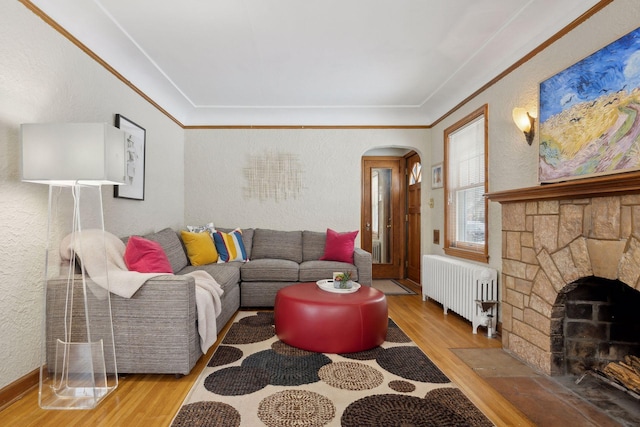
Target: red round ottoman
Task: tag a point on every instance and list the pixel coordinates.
(312, 319)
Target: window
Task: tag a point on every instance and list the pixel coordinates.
(465, 158)
(416, 174)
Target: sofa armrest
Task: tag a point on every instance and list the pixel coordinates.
(180, 284)
(156, 329)
(362, 260)
(158, 294)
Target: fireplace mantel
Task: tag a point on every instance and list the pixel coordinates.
(609, 185)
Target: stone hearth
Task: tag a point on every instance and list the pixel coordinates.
(547, 246)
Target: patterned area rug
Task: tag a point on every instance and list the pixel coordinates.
(253, 379)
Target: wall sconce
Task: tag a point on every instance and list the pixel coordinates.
(525, 123)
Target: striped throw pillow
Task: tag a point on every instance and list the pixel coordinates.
(230, 246)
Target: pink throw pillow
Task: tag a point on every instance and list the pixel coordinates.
(146, 256)
(339, 246)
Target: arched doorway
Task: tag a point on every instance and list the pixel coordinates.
(390, 212)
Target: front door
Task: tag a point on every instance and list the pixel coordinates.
(382, 213)
(414, 168)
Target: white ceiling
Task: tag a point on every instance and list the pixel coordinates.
(311, 62)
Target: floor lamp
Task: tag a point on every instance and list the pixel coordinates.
(78, 364)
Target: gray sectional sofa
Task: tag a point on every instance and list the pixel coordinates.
(155, 331)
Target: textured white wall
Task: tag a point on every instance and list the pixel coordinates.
(215, 161)
(512, 163)
(44, 77)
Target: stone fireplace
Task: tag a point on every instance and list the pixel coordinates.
(561, 242)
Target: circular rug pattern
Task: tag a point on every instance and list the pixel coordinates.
(388, 410)
(395, 334)
(287, 370)
(207, 414)
(420, 369)
(224, 355)
(261, 318)
(288, 350)
(244, 334)
(236, 381)
(350, 376)
(402, 386)
(364, 355)
(456, 401)
(296, 408)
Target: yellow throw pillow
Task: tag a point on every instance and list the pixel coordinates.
(200, 247)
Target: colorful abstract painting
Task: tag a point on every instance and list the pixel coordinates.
(589, 115)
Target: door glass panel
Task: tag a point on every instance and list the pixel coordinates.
(416, 174)
(381, 215)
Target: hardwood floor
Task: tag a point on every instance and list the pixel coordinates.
(153, 400)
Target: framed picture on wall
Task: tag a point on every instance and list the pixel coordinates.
(135, 154)
(436, 176)
(589, 115)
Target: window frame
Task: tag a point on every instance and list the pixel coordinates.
(466, 250)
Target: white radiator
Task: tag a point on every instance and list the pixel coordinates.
(457, 285)
(376, 256)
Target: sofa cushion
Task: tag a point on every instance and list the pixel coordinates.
(172, 246)
(146, 256)
(313, 245)
(247, 238)
(312, 271)
(339, 246)
(209, 227)
(230, 246)
(227, 275)
(200, 247)
(269, 270)
(276, 244)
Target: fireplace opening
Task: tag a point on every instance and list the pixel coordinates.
(596, 321)
(595, 324)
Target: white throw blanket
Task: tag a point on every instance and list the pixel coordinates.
(87, 246)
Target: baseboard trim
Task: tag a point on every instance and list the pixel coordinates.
(18, 388)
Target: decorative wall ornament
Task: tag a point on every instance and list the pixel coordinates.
(436, 176)
(135, 153)
(276, 176)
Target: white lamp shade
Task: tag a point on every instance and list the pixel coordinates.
(67, 153)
